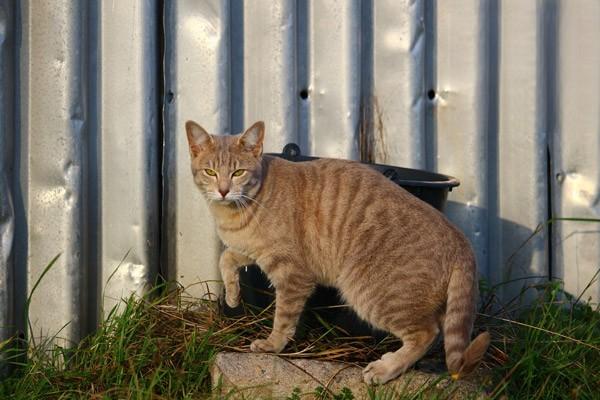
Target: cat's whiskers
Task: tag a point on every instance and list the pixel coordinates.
(237, 206)
(240, 209)
(244, 204)
(209, 197)
(247, 215)
(253, 200)
(245, 208)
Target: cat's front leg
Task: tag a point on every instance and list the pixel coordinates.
(290, 297)
(229, 264)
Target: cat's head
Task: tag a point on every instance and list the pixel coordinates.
(226, 168)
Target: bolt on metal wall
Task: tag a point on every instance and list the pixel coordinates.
(502, 95)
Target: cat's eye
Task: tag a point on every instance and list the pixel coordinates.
(210, 172)
(239, 172)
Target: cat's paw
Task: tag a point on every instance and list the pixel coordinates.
(263, 346)
(232, 296)
(380, 371)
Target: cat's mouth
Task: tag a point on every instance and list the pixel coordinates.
(221, 200)
(227, 200)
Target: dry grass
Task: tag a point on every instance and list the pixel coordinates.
(161, 347)
(182, 313)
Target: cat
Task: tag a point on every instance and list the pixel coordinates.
(400, 264)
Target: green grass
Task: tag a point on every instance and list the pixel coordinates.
(551, 351)
(161, 347)
(130, 356)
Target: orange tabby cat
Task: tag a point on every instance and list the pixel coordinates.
(397, 261)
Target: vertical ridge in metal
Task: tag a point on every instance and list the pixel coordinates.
(129, 148)
(576, 147)
(334, 74)
(197, 69)
(398, 75)
(53, 141)
(461, 115)
(521, 145)
(270, 81)
(7, 217)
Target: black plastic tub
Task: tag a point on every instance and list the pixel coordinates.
(256, 291)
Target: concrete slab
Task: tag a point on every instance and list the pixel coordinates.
(251, 375)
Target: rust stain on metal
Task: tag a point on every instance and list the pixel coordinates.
(380, 145)
(371, 132)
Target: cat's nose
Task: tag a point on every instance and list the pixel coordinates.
(223, 192)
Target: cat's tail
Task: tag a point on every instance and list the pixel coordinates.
(462, 355)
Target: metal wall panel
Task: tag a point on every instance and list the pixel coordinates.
(197, 70)
(399, 83)
(502, 95)
(334, 32)
(6, 257)
(87, 152)
(461, 115)
(521, 143)
(52, 146)
(270, 80)
(6, 166)
(129, 147)
(576, 146)
(359, 74)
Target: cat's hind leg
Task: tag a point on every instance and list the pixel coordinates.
(415, 343)
(229, 264)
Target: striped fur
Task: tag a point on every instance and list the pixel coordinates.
(396, 260)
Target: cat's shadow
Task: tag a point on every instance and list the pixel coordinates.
(325, 304)
(324, 311)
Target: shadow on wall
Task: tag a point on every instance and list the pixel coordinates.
(514, 255)
(6, 242)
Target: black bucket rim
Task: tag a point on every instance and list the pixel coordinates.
(291, 152)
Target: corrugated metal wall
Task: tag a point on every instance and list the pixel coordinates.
(503, 95)
(81, 150)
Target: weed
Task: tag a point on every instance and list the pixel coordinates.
(162, 346)
(132, 355)
(552, 350)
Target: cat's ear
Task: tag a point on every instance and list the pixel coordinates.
(252, 139)
(198, 138)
